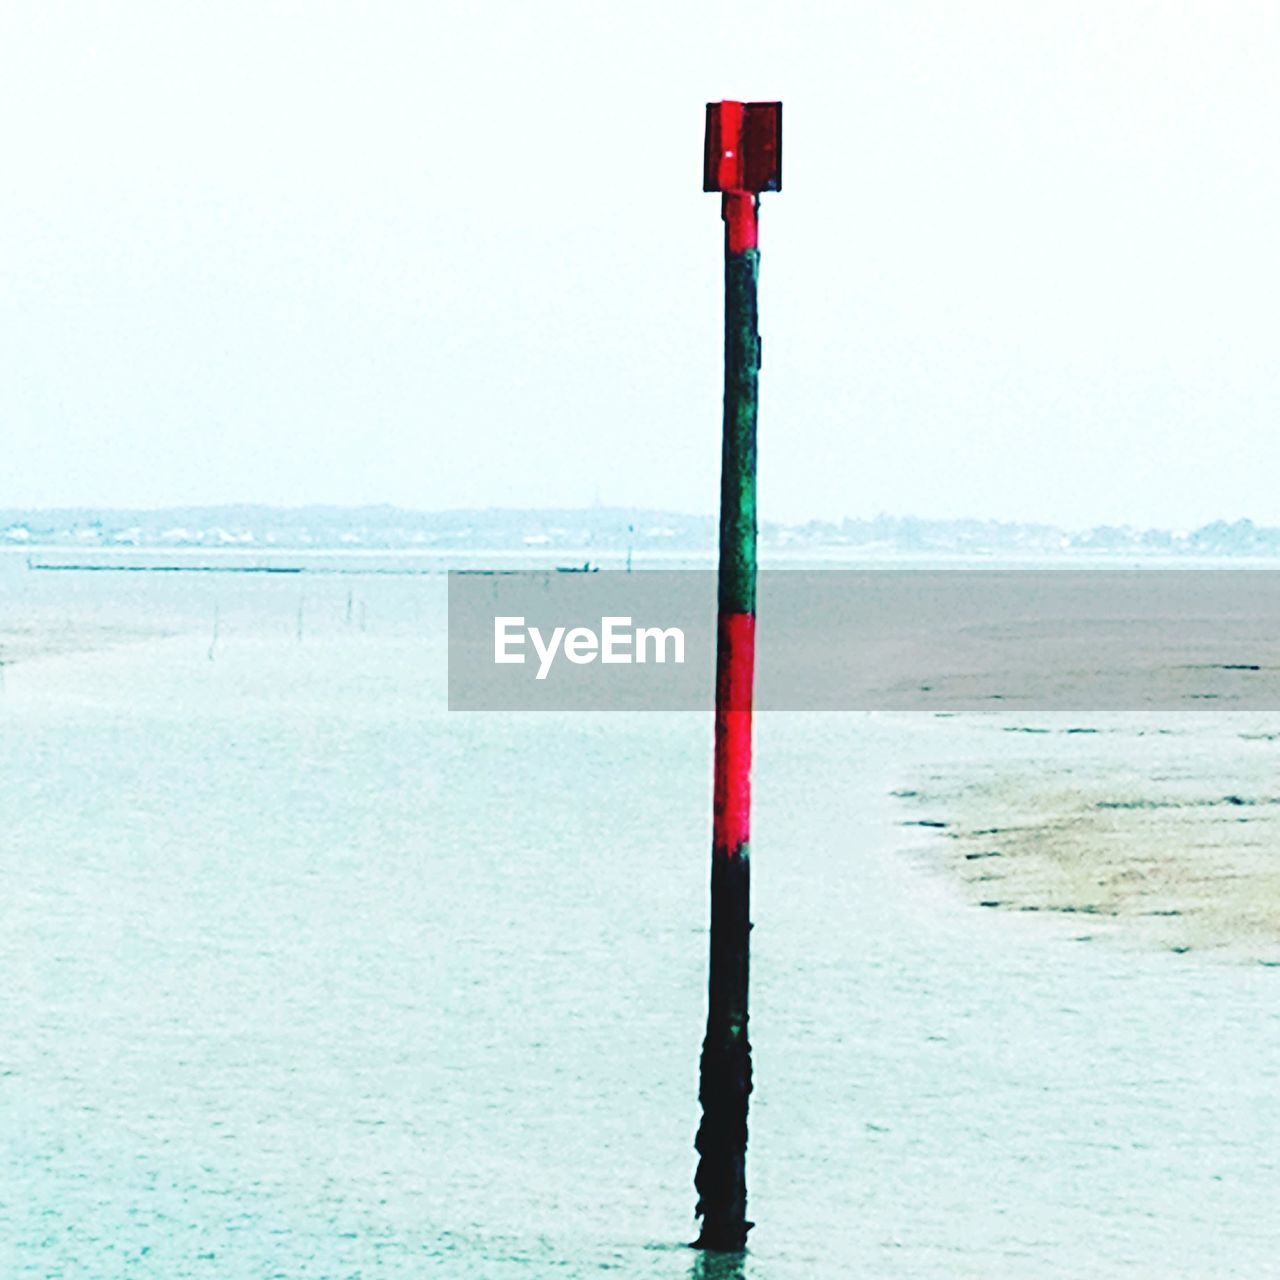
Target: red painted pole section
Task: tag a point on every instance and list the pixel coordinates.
(741, 158)
(735, 673)
(742, 226)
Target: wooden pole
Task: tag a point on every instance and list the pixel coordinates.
(721, 1178)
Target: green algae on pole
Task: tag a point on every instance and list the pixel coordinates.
(742, 157)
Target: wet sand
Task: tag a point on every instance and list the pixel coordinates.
(1162, 835)
(34, 636)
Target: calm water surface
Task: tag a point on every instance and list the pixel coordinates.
(304, 976)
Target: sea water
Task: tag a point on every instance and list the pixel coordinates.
(305, 976)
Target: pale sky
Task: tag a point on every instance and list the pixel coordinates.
(1025, 263)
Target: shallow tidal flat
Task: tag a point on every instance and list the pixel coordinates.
(36, 636)
(1160, 834)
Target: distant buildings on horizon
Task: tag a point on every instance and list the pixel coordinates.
(596, 528)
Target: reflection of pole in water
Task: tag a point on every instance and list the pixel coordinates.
(717, 1266)
(348, 608)
(301, 599)
(213, 639)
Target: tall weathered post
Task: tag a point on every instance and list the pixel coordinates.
(743, 157)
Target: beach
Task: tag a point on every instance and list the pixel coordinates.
(1162, 831)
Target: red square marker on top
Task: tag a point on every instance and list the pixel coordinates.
(743, 147)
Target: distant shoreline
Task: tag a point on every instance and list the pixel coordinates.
(249, 527)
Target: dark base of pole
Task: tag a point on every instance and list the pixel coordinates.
(727, 1237)
(721, 1179)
